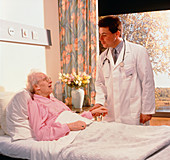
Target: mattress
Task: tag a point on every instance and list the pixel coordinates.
(34, 150)
(17, 149)
(162, 154)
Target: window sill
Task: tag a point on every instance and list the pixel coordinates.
(162, 113)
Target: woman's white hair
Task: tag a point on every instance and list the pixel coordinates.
(32, 79)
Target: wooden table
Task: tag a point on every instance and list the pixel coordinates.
(79, 110)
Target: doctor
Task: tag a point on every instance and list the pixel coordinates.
(124, 80)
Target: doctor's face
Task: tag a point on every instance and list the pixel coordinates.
(107, 38)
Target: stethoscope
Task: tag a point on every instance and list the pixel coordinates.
(122, 62)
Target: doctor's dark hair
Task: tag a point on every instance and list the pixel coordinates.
(113, 22)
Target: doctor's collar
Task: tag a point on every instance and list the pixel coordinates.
(119, 47)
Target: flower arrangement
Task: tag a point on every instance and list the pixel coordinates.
(74, 80)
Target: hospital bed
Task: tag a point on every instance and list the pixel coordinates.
(99, 141)
(79, 149)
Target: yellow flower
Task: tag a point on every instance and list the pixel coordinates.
(75, 80)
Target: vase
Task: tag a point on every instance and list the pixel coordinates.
(77, 97)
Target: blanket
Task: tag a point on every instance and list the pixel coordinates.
(103, 141)
(116, 141)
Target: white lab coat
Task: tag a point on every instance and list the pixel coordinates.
(126, 91)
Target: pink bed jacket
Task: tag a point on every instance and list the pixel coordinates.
(42, 114)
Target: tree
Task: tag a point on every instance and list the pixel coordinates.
(150, 29)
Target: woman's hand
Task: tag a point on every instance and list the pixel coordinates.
(98, 110)
(76, 126)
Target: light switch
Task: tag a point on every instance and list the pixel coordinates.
(24, 33)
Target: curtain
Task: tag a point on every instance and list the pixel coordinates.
(78, 44)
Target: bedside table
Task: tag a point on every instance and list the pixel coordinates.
(79, 110)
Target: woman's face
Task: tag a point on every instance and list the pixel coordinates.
(44, 85)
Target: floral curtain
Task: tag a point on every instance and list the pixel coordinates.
(77, 19)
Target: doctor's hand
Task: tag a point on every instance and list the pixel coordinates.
(76, 126)
(98, 110)
(95, 107)
(145, 117)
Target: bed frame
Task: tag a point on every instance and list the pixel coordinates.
(2, 157)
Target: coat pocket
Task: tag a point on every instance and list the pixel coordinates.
(129, 70)
(106, 70)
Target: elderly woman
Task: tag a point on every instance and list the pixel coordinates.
(44, 109)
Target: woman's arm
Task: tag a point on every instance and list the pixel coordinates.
(43, 128)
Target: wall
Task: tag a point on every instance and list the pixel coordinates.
(17, 60)
(53, 52)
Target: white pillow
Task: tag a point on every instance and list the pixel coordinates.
(17, 116)
(69, 117)
(5, 97)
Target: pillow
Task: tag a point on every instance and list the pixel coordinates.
(69, 117)
(5, 97)
(17, 116)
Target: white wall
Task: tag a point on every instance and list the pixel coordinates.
(17, 60)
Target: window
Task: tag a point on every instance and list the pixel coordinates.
(151, 29)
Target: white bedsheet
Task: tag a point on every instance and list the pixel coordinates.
(44, 150)
(17, 149)
(32, 149)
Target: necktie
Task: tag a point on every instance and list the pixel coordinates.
(114, 54)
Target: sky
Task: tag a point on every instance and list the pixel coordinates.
(162, 81)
